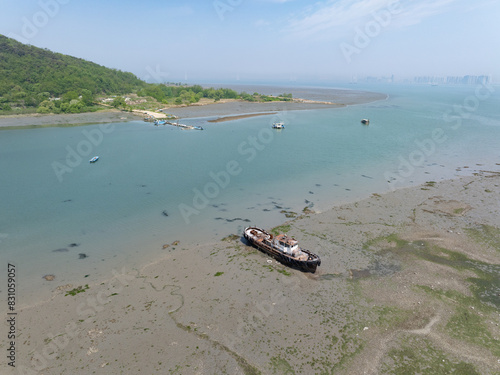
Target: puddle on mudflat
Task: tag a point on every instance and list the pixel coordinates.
(359, 274)
(329, 276)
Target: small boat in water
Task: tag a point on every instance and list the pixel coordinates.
(365, 121)
(278, 125)
(283, 248)
(94, 159)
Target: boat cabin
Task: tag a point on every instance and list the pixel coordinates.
(286, 244)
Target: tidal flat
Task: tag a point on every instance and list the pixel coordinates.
(408, 284)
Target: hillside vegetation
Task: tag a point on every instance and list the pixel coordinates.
(30, 75)
(34, 79)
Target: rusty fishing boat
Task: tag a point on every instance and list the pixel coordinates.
(283, 248)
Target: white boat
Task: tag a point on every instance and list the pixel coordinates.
(94, 159)
(278, 125)
(282, 248)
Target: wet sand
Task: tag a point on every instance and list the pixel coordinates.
(64, 120)
(240, 107)
(341, 98)
(238, 117)
(205, 109)
(394, 286)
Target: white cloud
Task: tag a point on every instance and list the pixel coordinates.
(415, 13)
(335, 16)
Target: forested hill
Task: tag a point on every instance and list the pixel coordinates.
(27, 71)
(34, 79)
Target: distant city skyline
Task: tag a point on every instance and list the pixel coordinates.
(261, 41)
(431, 79)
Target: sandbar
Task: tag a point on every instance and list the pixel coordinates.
(238, 117)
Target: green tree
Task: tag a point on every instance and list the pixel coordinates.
(41, 96)
(87, 97)
(118, 102)
(69, 96)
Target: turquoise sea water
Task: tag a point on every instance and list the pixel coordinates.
(215, 182)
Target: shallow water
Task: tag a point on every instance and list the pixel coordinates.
(213, 183)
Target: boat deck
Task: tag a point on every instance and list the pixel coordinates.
(266, 240)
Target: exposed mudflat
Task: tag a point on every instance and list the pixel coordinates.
(76, 119)
(408, 284)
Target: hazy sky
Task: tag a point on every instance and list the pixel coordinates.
(266, 40)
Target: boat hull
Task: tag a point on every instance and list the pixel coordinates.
(309, 265)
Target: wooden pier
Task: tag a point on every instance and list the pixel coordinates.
(182, 126)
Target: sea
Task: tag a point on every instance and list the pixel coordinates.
(155, 185)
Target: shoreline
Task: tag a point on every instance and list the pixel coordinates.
(34, 121)
(183, 280)
(220, 109)
(354, 201)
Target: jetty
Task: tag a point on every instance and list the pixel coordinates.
(182, 126)
(162, 119)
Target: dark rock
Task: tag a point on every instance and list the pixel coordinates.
(82, 256)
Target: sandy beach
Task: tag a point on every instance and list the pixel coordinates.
(408, 282)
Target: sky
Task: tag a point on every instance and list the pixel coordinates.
(263, 41)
